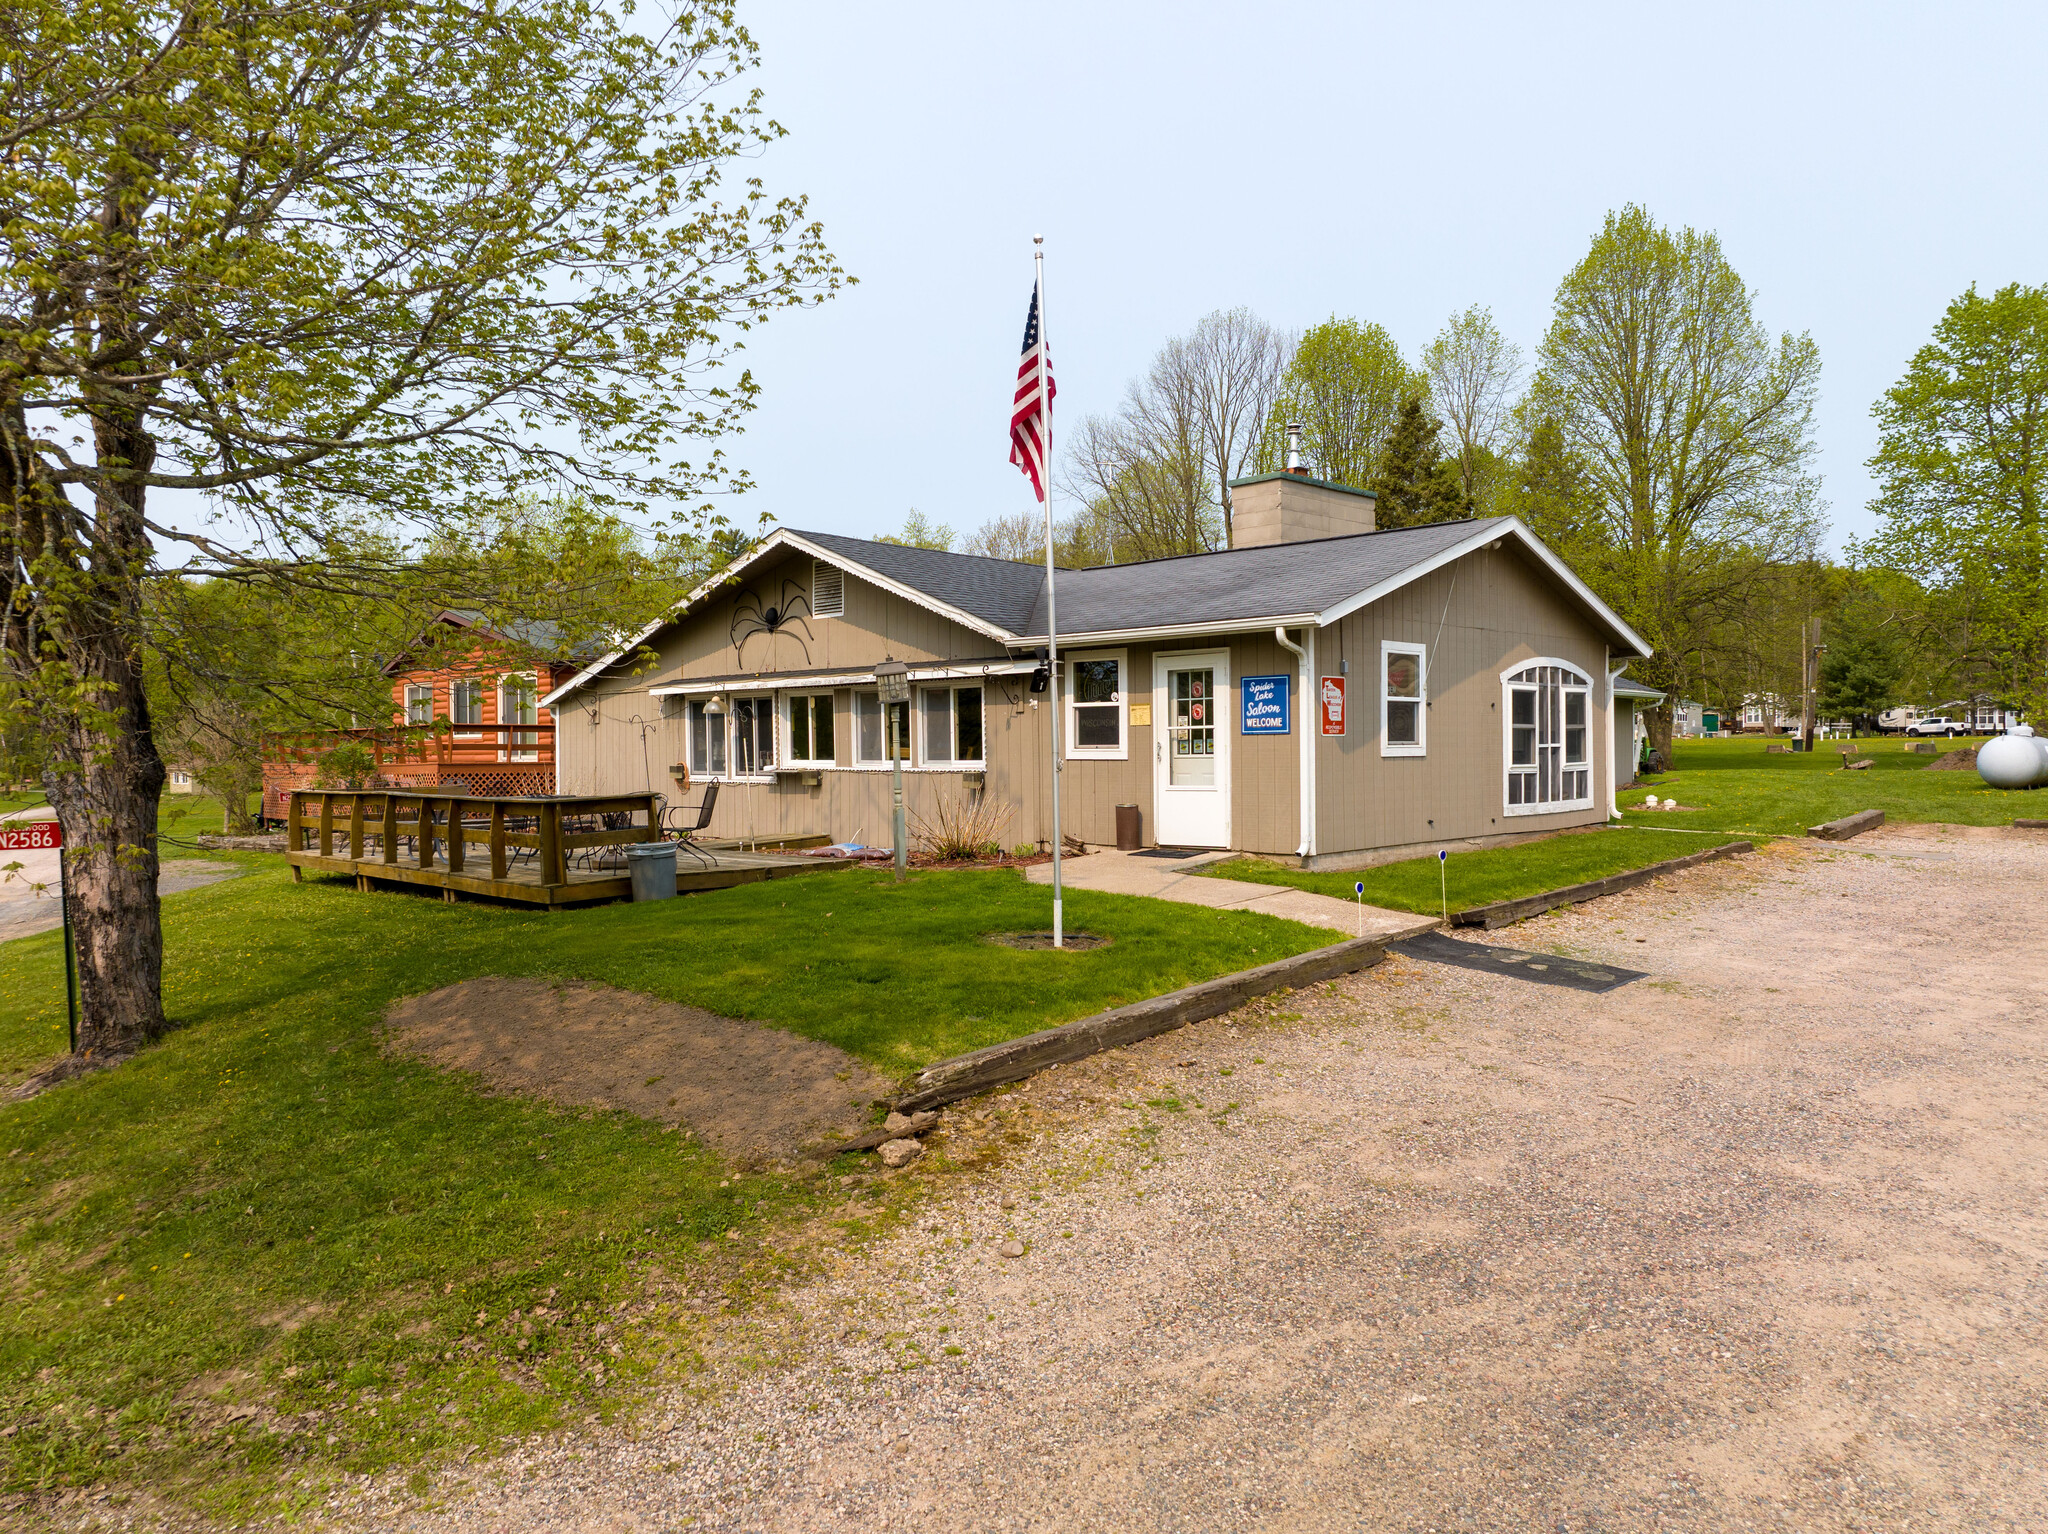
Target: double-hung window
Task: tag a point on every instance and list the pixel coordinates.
(466, 702)
(419, 703)
(753, 736)
(1404, 709)
(875, 734)
(518, 703)
(707, 740)
(810, 729)
(1096, 704)
(1549, 766)
(952, 725)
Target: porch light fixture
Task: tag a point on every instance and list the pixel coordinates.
(892, 680)
(715, 704)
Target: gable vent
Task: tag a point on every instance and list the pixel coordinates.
(828, 590)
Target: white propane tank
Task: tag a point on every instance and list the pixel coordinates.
(2018, 759)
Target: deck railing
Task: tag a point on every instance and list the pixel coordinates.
(445, 745)
(442, 827)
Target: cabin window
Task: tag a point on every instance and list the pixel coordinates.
(1404, 706)
(810, 729)
(419, 703)
(753, 736)
(872, 740)
(1097, 704)
(952, 725)
(519, 703)
(1547, 707)
(707, 739)
(466, 702)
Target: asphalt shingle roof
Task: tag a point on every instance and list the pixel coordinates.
(1227, 586)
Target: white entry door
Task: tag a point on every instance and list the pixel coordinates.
(1191, 749)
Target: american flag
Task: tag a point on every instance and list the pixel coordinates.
(1031, 411)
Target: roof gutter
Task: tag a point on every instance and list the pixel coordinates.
(1305, 664)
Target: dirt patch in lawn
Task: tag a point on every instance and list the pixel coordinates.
(754, 1094)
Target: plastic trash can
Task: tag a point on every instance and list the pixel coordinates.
(1128, 838)
(653, 868)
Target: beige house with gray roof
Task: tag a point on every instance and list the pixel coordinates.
(1324, 691)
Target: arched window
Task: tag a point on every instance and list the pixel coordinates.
(1546, 708)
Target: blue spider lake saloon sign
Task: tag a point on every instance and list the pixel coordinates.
(1265, 708)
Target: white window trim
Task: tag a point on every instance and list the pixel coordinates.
(508, 750)
(467, 681)
(961, 763)
(1122, 750)
(724, 720)
(1507, 739)
(1421, 653)
(786, 703)
(732, 737)
(419, 687)
(882, 762)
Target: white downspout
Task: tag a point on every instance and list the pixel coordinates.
(1613, 743)
(1306, 667)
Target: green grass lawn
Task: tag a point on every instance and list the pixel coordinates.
(1738, 787)
(1480, 878)
(266, 1209)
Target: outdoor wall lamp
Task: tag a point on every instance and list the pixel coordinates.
(716, 704)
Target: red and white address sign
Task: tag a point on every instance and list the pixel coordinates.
(34, 836)
(1331, 695)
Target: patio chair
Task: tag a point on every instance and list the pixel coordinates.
(682, 823)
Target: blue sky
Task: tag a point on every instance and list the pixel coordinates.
(1862, 165)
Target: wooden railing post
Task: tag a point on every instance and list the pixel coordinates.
(497, 838)
(425, 840)
(327, 825)
(391, 826)
(355, 826)
(653, 820)
(294, 827)
(455, 847)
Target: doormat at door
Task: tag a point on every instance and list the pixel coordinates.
(1172, 852)
(1543, 968)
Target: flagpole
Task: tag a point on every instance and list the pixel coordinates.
(1052, 620)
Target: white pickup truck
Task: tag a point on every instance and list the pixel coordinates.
(1949, 727)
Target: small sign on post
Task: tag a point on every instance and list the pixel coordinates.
(45, 836)
(1330, 695)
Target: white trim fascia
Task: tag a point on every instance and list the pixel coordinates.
(1100, 638)
(813, 682)
(781, 538)
(1495, 527)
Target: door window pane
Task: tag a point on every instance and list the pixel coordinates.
(1191, 728)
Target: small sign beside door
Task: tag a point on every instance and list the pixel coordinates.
(1331, 698)
(1266, 709)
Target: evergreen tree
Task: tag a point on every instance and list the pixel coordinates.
(1416, 483)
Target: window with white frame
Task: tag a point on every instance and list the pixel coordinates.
(810, 730)
(753, 736)
(519, 703)
(419, 703)
(952, 725)
(875, 734)
(466, 702)
(1097, 703)
(1547, 706)
(1404, 710)
(707, 738)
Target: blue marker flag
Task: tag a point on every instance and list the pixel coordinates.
(1358, 888)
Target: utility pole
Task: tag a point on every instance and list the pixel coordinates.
(1809, 677)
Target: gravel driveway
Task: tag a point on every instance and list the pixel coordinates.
(1755, 1244)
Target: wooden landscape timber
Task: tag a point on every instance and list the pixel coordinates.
(1014, 1059)
(1848, 826)
(1503, 912)
(508, 848)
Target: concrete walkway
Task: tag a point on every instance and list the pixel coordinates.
(1126, 873)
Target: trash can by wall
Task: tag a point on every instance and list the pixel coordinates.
(1128, 835)
(653, 868)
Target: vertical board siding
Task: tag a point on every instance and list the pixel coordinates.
(1477, 617)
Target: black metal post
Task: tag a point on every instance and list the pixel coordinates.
(70, 948)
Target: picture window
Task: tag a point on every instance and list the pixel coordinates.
(952, 725)
(753, 736)
(871, 739)
(1549, 707)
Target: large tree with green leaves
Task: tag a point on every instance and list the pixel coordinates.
(1962, 461)
(342, 267)
(1415, 482)
(1473, 373)
(1344, 385)
(1691, 429)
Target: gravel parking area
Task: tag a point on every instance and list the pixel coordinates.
(1755, 1244)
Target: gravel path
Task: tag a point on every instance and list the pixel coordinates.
(1757, 1244)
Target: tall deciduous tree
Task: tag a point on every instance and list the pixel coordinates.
(1474, 371)
(1344, 385)
(338, 264)
(1963, 462)
(1693, 427)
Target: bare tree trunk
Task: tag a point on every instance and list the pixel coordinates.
(1662, 718)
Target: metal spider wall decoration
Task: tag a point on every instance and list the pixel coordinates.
(752, 614)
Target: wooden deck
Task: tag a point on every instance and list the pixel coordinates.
(553, 851)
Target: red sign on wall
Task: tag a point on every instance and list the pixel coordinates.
(1330, 696)
(34, 836)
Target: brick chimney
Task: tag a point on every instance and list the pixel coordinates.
(1292, 506)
